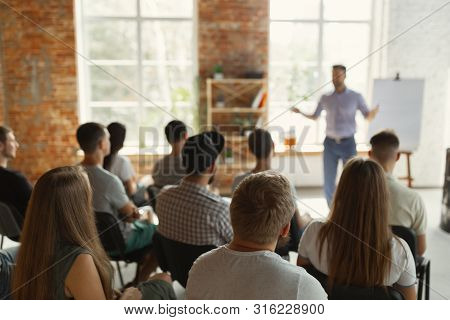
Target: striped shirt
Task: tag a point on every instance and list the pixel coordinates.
(189, 213)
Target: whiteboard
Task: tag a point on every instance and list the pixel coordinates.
(400, 109)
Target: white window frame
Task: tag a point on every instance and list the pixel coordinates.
(321, 21)
(85, 105)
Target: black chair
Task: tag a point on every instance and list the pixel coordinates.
(114, 244)
(423, 265)
(177, 257)
(8, 224)
(152, 192)
(340, 292)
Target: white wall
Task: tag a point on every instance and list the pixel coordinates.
(424, 52)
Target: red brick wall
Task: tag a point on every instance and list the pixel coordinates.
(39, 77)
(235, 34)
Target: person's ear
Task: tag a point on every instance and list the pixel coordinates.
(2, 146)
(212, 168)
(285, 230)
(370, 154)
(397, 157)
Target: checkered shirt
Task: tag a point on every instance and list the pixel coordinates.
(189, 213)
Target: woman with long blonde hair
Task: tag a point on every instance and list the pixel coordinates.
(60, 255)
(355, 245)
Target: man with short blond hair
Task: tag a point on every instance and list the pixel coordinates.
(407, 207)
(247, 268)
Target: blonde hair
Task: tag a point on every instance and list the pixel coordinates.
(60, 211)
(357, 231)
(261, 206)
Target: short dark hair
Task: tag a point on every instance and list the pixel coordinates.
(340, 67)
(3, 133)
(200, 152)
(175, 131)
(89, 135)
(260, 143)
(117, 134)
(384, 144)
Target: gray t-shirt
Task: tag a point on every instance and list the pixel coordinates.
(225, 274)
(168, 171)
(108, 193)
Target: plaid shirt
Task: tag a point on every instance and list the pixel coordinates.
(189, 213)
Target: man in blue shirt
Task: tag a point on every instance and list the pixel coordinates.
(341, 106)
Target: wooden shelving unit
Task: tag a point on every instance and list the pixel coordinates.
(238, 113)
(237, 96)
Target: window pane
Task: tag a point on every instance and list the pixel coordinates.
(109, 7)
(111, 39)
(292, 83)
(152, 77)
(347, 9)
(162, 40)
(124, 115)
(155, 120)
(339, 48)
(168, 83)
(294, 9)
(105, 87)
(294, 42)
(167, 8)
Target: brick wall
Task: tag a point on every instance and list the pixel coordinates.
(235, 34)
(39, 78)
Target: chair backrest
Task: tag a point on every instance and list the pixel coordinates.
(152, 194)
(110, 234)
(408, 235)
(177, 257)
(8, 224)
(340, 292)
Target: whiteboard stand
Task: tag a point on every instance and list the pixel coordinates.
(409, 179)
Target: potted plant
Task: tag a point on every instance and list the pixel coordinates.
(218, 72)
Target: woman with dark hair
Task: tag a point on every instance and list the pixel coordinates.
(117, 164)
(355, 245)
(61, 256)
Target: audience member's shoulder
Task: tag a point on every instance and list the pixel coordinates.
(103, 174)
(208, 258)
(13, 174)
(310, 288)
(402, 189)
(314, 226)
(168, 190)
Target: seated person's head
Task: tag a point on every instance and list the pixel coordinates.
(200, 152)
(117, 134)
(384, 149)
(262, 208)
(260, 143)
(93, 138)
(176, 132)
(60, 211)
(8, 143)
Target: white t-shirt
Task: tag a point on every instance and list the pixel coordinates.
(226, 274)
(121, 167)
(407, 207)
(403, 268)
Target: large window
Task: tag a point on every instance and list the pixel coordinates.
(306, 38)
(139, 67)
